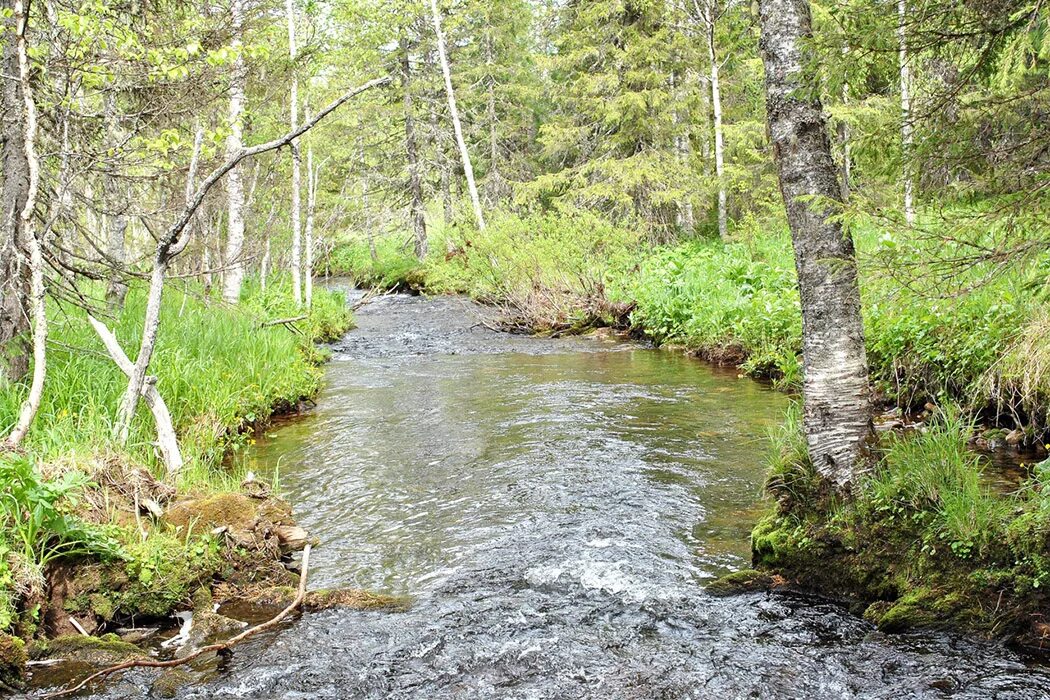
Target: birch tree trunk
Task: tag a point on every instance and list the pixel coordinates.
(116, 217)
(468, 170)
(837, 407)
(415, 185)
(907, 137)
(14, 278)
(297, 164)
(710, 15)
(308, 233)
(681, 151)
(233, 278)
(32, 237)
(844, 139)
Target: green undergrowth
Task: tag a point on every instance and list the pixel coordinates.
(975, 339)
(921, 541)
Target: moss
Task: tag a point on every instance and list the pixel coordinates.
(13, 660)
(107, 649)
(745, 581)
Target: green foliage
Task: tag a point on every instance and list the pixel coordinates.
(36, 511)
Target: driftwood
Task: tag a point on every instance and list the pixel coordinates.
(219, 646)
(166, 439)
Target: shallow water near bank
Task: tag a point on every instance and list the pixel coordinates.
(554, 508)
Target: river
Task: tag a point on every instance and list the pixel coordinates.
(554, 508)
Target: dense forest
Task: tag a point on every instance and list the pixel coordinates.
(848, 200)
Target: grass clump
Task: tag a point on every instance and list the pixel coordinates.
(922, 539)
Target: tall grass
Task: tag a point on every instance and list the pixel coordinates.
(218, 368)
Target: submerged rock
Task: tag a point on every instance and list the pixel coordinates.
(100, 651)
(745, 581)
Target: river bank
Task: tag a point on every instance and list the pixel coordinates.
(967, 367)
(96, 537)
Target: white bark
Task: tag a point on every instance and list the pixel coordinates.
(468, 170)
(234, 274)
(308, 232)
(167, 442)
(293, 119)
(835, 389)
(907, 134)
(31, 405)
(710, 15)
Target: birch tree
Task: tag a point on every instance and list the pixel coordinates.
(173, 241)
(234, 264)
(415, 184)
(457, 127)
(28, 227)
(297, 162)
(710, 14)
(836, 401)
(907, 135)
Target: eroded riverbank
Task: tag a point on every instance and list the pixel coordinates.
(554, 508)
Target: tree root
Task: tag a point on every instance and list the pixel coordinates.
(220, 646)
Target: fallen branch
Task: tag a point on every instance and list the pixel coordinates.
(219, 646)
(166, 439)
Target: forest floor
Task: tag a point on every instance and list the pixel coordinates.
(99, 537)
(959, 368)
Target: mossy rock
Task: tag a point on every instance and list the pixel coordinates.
(353, 598)
(99, 651)
(248, 522)
(13, 658)
(746, 581)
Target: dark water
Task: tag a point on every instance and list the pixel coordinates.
(554, 508)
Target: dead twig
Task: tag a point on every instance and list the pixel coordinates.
(220, 646)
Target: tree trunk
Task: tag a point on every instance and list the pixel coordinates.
(116, 216)
(415, 185)
(297, 164)
(32, 237)
(14, 277)
(493, 181)
(308, 233)
(907, 137)
(681, 151)
(468, 170)
(844, 138)
(837, 405)
(233, 278)
(711, 15)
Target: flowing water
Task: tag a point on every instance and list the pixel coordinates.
(554, 507)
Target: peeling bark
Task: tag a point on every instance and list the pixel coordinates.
(297, 164)
(234, 271)
(837, 404)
